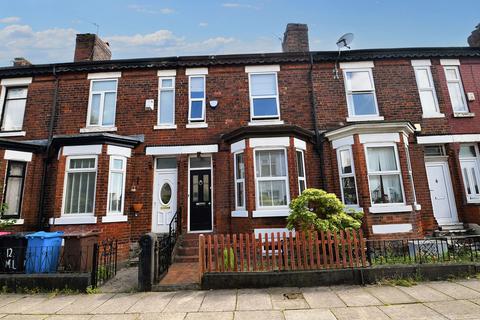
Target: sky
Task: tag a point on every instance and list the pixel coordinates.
(44, 31)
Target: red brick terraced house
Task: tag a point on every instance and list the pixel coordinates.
(227, 141)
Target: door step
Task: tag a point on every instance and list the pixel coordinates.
(452, 227)
(451, 230)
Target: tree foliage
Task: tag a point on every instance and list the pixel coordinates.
(316, 209)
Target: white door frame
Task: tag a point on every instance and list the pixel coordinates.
(188, 191)
(449, 187)
(155, 190)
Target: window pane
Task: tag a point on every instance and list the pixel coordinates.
(116, 192)
(381, 159)
(166, 107)
(166, 163)
(16, 168)
(196, 111)
(432, 151)
(456, 97)
(349, 191)
(240, 166)
(197, 87)
(467, 180)
(300, 169)
(166, 193)
(195, 188)
(17, 93)
(386, 189)
(206, 188)
(265, 107)
(13, 196)
(474, 179)
(263, 85)
(95, 109)
(423, 79)
(467, 151)
(363, 104)
(451, 74)
(346, 162)
(359, 81)
(117, 164)
(301, 184)
(200, 162)
(167, 83)
(109, 109)
(272, 193)
(13, 115)
(427, 100)
(82, 163)
(240, 195)
(271, 163)
(110, 85)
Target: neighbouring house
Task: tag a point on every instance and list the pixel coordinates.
(227, 141)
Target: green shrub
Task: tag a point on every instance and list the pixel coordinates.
(227, 261)
(319, 210)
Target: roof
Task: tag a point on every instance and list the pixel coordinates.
(267, 131)
(241, 59)
(93, 138)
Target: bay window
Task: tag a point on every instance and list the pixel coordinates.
(384, 176)
(360, 90)
(271, 179)
(14, 108)
(469, 164)
(116, 185)
(166, 101)
(455, 89)
(196, 110)
(346, 171)
(103, 101)
(264, 103)
(80, 183)
(13, 193)
(302, 183)
(239, 164)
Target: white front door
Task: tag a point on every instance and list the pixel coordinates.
(164, 199)
(441, 193)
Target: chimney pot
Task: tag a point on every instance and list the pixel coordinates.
(474, 38)
(89, 47)
(295, 38)
(21, 62)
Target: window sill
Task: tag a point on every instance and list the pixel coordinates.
(433, 116)
(265, 122)
(270, 213)
(463, 114)
(114, 218)
(165, 126)
(13, 134)
(356, 208)
(17, 221)
(98, 129)
(196, 125)
(240, 214)
(389, 209)
(80, 219)
(365, 118)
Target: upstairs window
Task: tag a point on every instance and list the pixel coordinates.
(346, 170)
(271, 179)
(470, 171)
(455, 89)
(103, 101)
(361, 99)
(196, 110)
(166, 101)
(14, 108)
(80, 181)
(13, 193)
(264, 104)
(239, 181)
(426, 90)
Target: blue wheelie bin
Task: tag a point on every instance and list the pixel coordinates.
(43, 250)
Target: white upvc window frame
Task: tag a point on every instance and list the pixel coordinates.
(425, 113)
(460, 83)
(380, 173)
(468, 181)
(123, 171)
(349, 92)
(69, 170)
(251, 98)
(258, 179)
(347, 148)
(239, 180)
(102, 103)
(203, 100)
(304, 177)
(160, 90)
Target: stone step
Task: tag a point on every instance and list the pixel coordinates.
(182, 259)
(452, 227)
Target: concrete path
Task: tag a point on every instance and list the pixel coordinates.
(430, 300)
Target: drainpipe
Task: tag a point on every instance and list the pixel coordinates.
(318, 139)
(41, 212)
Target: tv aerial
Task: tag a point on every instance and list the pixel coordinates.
(342, 43)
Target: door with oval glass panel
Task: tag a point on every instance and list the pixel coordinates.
(164, 194)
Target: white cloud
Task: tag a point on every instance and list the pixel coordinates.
(236, 5)
(149, 9)
(203, 24)
(8, 20)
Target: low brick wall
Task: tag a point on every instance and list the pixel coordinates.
(46, 282)
(237, 280)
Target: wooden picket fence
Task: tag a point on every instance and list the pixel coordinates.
(282, 251)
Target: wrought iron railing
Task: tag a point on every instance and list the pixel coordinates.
(429, 250)
(104, 261)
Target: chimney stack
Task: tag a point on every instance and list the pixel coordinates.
(21, 62)
(295, 38)
(89, 47)
(474, 38)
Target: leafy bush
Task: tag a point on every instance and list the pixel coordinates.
(226, 261)
(319, 210)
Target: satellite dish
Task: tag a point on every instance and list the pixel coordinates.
(345, 41)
